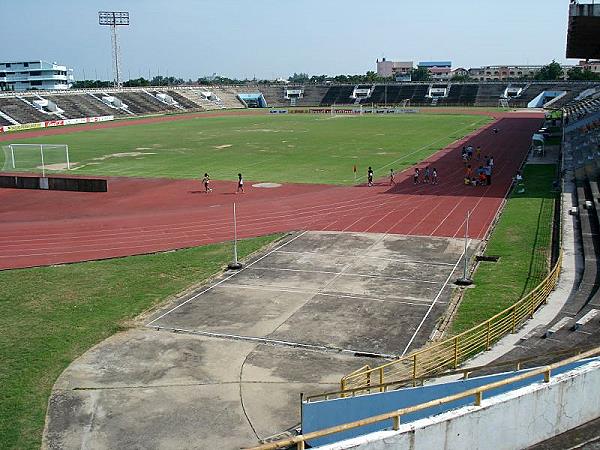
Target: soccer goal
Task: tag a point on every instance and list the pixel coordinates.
(36, 157)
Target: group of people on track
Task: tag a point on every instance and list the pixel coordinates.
(430, 175)
(208, 189)
(480, 176)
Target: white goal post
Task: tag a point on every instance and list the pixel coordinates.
(33, 157)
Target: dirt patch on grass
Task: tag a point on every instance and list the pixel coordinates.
(122, 155)
(58, 166)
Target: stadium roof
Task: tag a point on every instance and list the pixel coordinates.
(583, 39)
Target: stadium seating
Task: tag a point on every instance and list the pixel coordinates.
(184, 101)
(197, 95)
(228, 97)
(419, 93)
(141, 102)
(489, 94)
(461, 95)
(82, 105)
(338, 95)
(4, 122)
(21, 111)
(275, 95)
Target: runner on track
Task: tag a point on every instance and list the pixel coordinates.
(206, 183)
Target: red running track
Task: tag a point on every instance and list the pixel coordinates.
(141, 216)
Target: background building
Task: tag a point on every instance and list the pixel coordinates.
(42, 75)
(439, 70)
(593, 66)
(501, 73)
(396, 69)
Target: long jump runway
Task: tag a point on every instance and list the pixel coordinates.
(140, 216)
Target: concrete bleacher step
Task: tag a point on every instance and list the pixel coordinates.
(532, 333)
(557, 326)
(585, 319)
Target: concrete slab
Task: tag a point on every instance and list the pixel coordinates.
(281, 375)
(233, 309)
(144, 357)
(360, 325)
(182, 417)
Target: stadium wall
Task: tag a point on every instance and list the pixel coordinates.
(514, 420)
(54, 123)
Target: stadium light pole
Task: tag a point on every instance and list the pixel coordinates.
(113, 19)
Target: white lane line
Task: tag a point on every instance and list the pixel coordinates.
(409, 261)
(225, 279)
(412, 280)
(400, 300)
(435, 300)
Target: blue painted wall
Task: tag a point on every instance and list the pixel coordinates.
(329, 413)
(544, 98)
(254, 97)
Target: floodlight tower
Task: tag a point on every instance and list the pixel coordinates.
(114, 19)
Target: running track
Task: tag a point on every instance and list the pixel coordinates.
(141, 216)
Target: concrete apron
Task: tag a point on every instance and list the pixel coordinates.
(224, 366)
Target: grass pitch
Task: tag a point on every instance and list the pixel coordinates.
(51, 315)
(523, 240)
(291, 148)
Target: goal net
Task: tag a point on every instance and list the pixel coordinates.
(36, 158)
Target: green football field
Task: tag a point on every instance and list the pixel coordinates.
(291, 148)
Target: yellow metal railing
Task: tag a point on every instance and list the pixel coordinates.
(449, 353)
(395, 416)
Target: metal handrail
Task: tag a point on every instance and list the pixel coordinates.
(477, 392)
(452, 351)
(516, 364)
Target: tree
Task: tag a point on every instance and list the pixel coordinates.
(579, 74)
(87, 84)
(318, 79)
(299, 78)
(138, 82)
(550, 72)
(420, 74)
(460, 78)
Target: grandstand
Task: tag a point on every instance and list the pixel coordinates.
(39, 106)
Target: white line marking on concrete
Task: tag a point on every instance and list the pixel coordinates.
(409, 261)
(434, 302)
(347, 274)
(226, 278)
(402, 300)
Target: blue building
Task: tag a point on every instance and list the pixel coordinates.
(439, 64)
(41, 75)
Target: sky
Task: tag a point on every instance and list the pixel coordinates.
(268, 39)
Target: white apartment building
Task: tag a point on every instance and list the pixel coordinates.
(40, 75)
